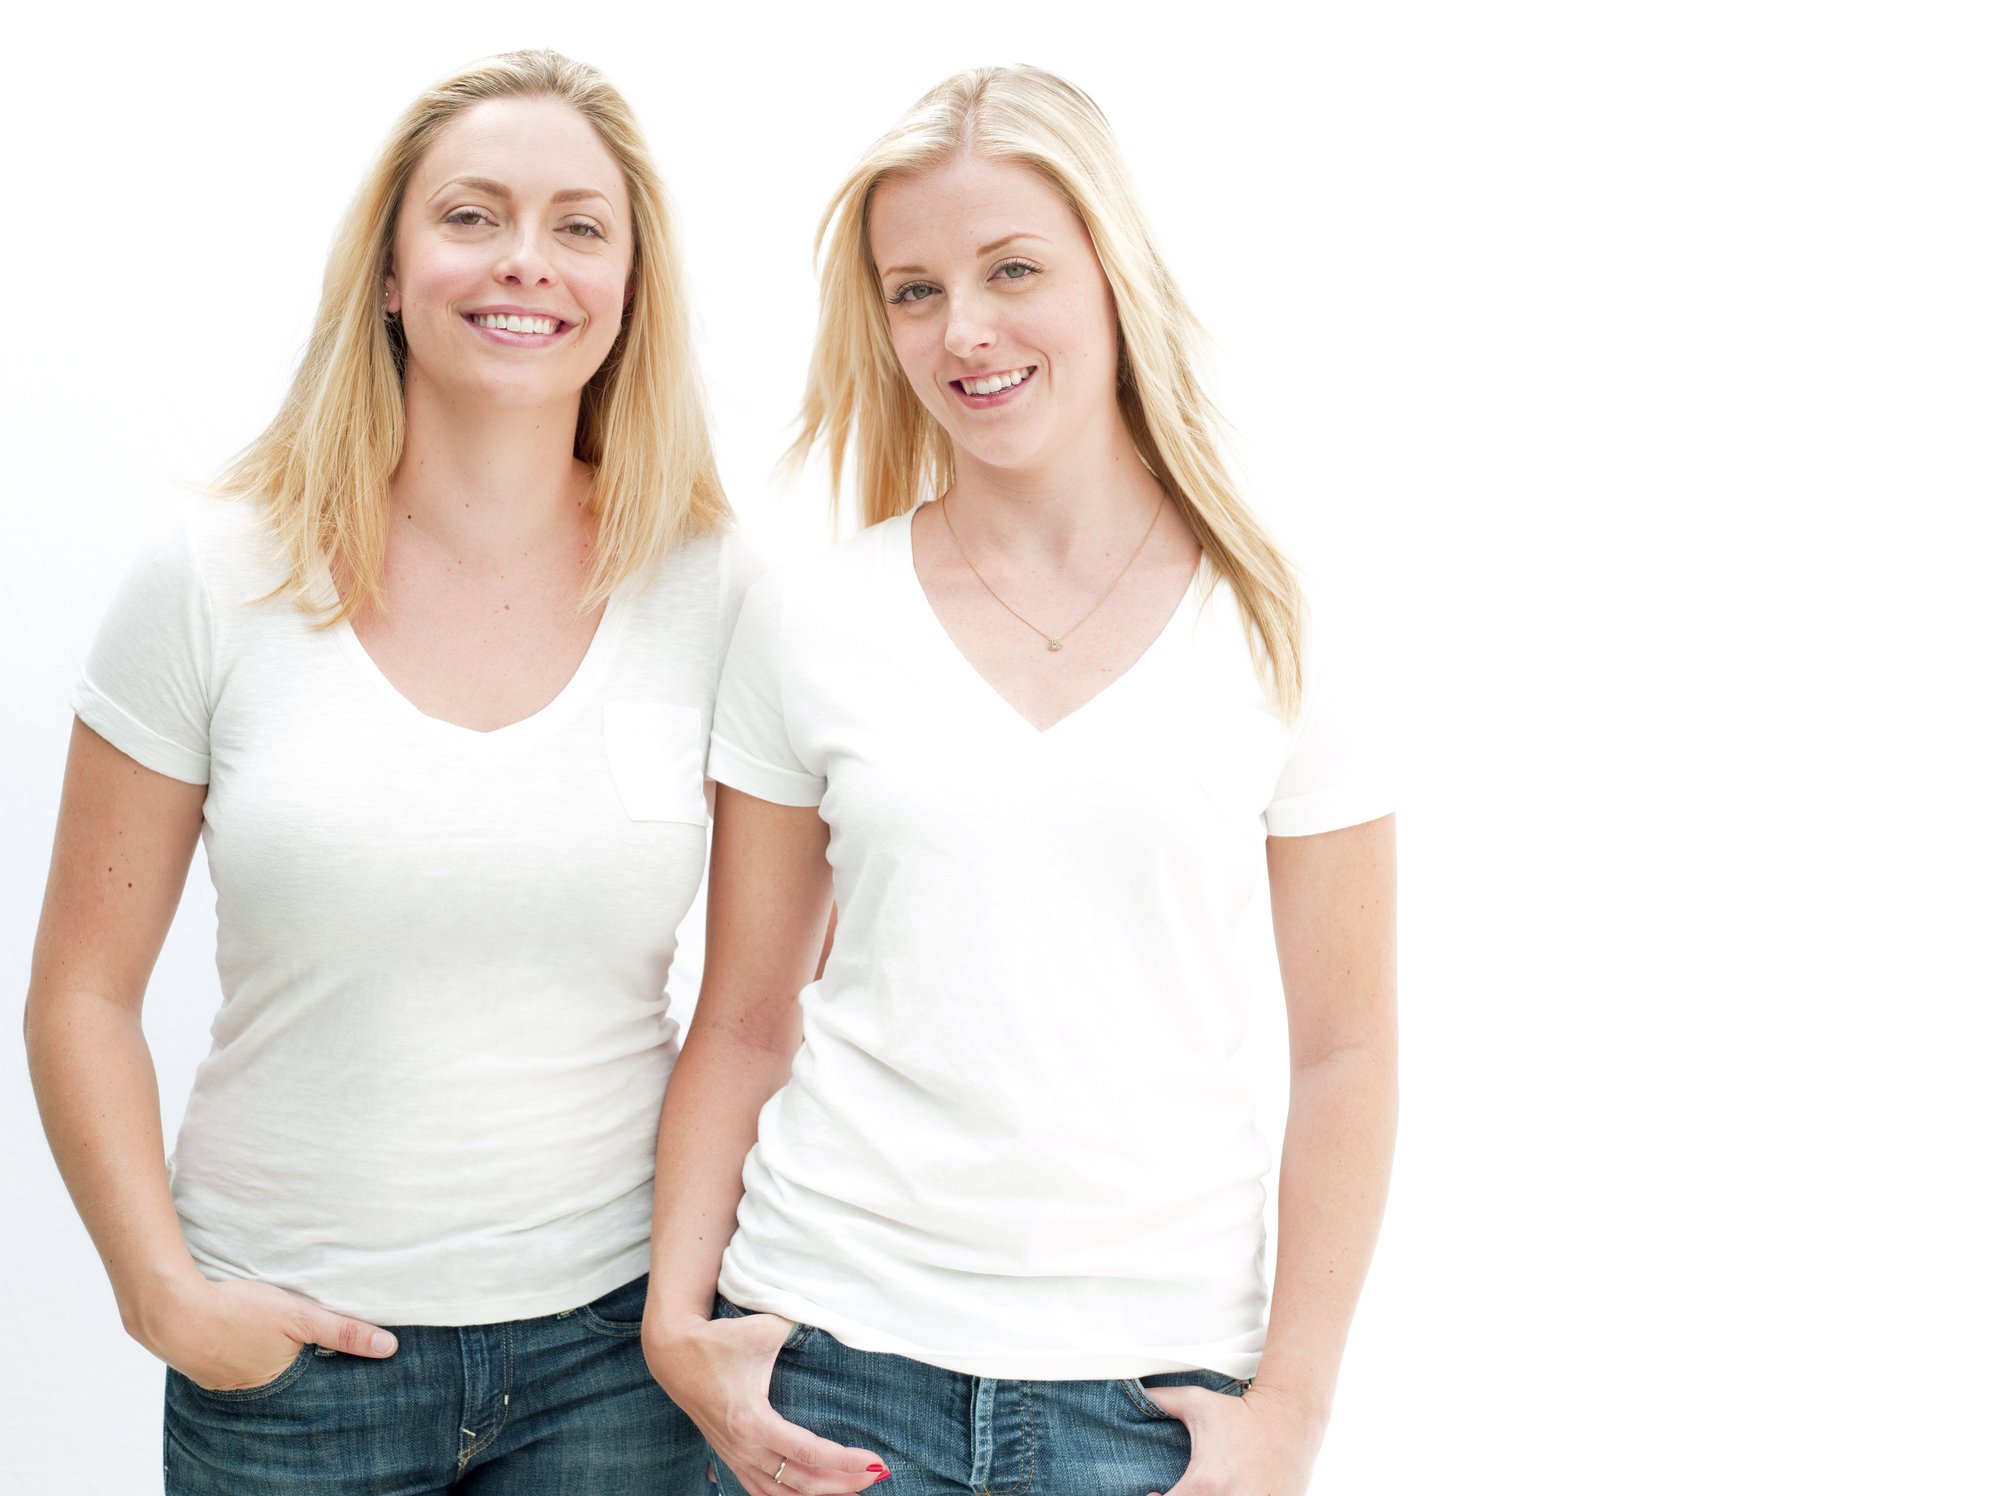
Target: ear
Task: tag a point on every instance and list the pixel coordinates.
(393, 299)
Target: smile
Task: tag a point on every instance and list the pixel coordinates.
(993, 389)
(522, 329)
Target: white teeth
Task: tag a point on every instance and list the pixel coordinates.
(993, 382)
(504, 322)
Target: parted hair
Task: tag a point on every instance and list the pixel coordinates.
(860, 407)
(322, 468)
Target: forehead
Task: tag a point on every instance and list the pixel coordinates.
(534, 147)
(965, 203)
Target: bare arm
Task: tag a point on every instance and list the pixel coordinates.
(124, 839)
(769, 904)
(767, 932)
(1334, 929)
(123, 843)
(1334, 926)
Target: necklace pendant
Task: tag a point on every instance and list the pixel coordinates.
(1053, 644)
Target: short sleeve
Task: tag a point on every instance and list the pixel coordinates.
(1336, 773)
(145, 688)
(751, 748)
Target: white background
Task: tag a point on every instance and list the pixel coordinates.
(1631, 377)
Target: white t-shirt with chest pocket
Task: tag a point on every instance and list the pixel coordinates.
(438, 1065)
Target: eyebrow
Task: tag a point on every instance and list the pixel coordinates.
(990, 248)
(497, 189)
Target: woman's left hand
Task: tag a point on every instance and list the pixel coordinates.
(1260, 1444)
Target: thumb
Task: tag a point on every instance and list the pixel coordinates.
(1185, 1404)
(338, 1332)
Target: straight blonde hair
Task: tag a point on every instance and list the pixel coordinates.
(322, 469)
(859, 403)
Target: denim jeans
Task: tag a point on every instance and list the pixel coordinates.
(558, 1406)
(940, 1432)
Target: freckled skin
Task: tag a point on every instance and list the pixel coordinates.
(977, 318)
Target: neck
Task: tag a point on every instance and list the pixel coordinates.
(1076, 508)
(488, 484)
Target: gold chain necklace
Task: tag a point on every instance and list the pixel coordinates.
(1055, 642)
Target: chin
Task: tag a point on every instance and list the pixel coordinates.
(526, 394)
(1004, 454)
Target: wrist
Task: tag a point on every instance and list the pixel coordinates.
(667, 1335)
(1309, 1398)
(152, 1301)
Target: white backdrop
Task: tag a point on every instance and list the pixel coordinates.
(1631, 377)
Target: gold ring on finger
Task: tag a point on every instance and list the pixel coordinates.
(780, 1472)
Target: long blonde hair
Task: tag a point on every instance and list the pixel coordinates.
(859, 402)
(322, 468)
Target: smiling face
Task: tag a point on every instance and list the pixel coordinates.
(510, 261)
(1000, 314)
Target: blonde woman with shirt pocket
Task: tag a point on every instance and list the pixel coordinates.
(432, 680)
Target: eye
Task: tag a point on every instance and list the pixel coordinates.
(1015, 270)
(582, 228)
(468, 217)
(914, 292)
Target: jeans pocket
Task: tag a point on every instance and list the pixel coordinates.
(1137, 1388)
(796, 1337)
(292, 1373)
(617, 1314)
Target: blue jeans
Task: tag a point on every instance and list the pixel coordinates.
(558, 1406)
(945, 1434)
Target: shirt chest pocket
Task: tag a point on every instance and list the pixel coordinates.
(656, 754)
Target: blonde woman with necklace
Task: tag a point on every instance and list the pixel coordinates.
(999, 1225)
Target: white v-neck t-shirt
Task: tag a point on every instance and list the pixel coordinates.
(1014, 1142)
(437, 1071)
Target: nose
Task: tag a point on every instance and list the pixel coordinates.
(522, 262)
(968, 330)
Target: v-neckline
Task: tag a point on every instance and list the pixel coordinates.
(520, 734)
(909, 566)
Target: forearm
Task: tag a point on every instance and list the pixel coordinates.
(94, 1082)
(709, 1122)
(1336, 1163)
(768, 918)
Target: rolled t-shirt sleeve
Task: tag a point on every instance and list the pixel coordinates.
(751, 748)
(1336, 773)
(145, 688)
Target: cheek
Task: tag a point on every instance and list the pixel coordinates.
(435, 275)
(1095, 334)
(912, 346)
(601, 289)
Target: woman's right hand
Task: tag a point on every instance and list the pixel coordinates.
(720, 1372)
(233, 1336)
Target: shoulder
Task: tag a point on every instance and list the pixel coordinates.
(230, 545)
(816, 605)
(205, 549)
(719, 559)
(854, 568)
